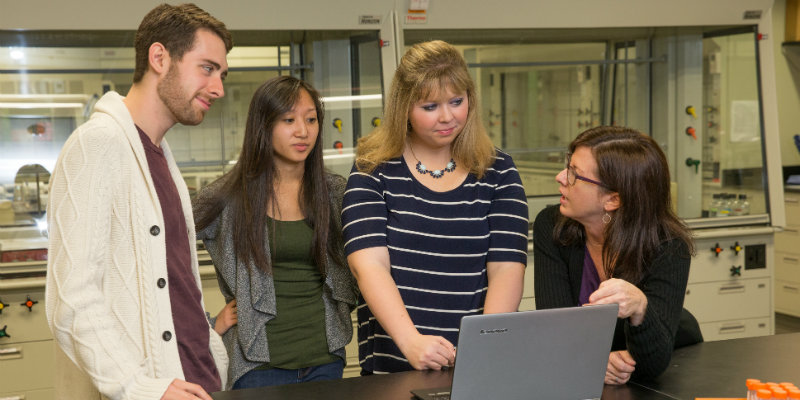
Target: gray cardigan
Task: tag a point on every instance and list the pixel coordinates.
(254, 291)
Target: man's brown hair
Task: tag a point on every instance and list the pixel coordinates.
(175, 28)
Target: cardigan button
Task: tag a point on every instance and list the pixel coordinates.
(167, 335)
(155, 230)
(161, 283)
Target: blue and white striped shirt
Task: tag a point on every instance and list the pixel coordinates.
(439, 244)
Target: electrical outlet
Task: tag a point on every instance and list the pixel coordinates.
(755, 256)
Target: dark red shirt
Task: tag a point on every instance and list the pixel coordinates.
(189, 319)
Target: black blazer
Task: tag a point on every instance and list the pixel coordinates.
(558, 272)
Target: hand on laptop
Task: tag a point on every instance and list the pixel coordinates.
(632, 302)
(620, 367)
(428, 352)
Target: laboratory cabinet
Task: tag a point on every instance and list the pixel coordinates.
(730, 283)
(26, 344)
(787, 258)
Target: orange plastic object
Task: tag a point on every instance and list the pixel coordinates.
(750, 382)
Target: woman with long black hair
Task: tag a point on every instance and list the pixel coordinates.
(272, 227)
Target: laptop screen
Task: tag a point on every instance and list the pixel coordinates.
(558, 353)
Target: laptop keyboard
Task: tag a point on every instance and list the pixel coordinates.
(438, 396)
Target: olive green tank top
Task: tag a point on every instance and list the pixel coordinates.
(296, 335)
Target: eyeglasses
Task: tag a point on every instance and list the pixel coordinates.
(573, 176)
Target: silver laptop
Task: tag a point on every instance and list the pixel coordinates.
(559, 353)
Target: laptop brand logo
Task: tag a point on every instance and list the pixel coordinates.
(497, 330)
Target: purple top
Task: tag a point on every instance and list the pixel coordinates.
(191, 325)
(590, 280)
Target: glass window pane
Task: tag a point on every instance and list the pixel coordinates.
(732, 163)
(535, 98)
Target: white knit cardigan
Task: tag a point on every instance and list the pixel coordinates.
(104, 307)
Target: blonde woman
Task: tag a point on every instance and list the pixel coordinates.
(435, 218)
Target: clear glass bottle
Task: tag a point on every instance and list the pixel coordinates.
(724, 209)
(713, 208)
(736, 206)
(744, 204)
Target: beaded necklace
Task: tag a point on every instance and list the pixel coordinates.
(436, 173)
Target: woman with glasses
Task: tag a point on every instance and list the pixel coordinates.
(614, 238)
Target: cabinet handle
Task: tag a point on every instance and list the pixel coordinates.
(10, 353)
(792, 289)
(790, 230)
(791, 259)
(732, 329)
(20, 397)
(731, 289)
(791, 200)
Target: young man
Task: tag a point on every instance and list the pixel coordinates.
(123, 290)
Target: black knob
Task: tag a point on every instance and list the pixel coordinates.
(736, 271)
(736, 248)
(3, 332)
(29, 303)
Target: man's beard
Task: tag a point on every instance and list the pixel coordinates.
(171, 94)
